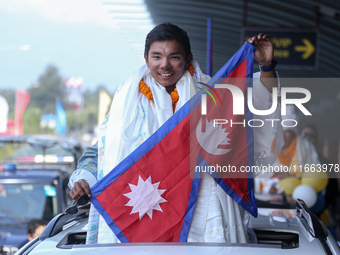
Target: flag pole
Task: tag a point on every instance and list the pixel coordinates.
(209, 47)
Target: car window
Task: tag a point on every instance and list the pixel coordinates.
(25, 201)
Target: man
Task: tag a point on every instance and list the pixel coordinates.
(310, 133)
(35, 227)
(295, 152)
(141, 105)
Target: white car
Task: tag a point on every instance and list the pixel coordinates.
(274, 231)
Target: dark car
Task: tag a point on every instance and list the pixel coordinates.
(36, 151)
(34, 174)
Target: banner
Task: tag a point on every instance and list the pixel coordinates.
(73, 90)
(3, 114)
(60, 119)
(104, 102)
(21, 101)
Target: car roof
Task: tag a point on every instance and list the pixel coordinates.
(27, 175)
(33, 145)
(278, 232)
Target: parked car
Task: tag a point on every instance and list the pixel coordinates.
(33, 184)
(274, 231)
(35, 151)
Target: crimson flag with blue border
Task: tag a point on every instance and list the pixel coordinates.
(150, 196)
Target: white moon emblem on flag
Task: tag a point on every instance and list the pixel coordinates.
(145, 197)
(212, 138)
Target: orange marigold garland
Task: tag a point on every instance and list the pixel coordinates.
(285, 158)
(174, 98)
(144, 88)
(191, 70)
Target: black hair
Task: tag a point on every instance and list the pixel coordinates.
(313, 127)
(165, 32)
(34, 224)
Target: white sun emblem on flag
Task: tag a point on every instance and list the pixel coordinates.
(212, 138)
(145, 197)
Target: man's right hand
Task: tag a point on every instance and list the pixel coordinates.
(79, 188)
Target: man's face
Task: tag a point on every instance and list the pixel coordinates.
(167, 62)
(310, 135)
(288, 137)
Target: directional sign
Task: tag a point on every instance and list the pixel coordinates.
(292, 48)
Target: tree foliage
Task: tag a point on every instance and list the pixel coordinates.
(46, 90)
(31, 121)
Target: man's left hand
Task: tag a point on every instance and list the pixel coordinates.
(264, 49)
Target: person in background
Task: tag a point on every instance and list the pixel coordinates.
(35, 227)
(331, 192)
(295, 152)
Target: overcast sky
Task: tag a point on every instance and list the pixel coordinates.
(77, 36)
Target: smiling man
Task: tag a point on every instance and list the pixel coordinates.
(141, 106)
(167, 62)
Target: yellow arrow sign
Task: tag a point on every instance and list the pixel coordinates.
(307, 48)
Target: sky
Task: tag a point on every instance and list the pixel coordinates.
(79, 37)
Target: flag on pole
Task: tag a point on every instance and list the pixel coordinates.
(60, 119)
(104, 102)
(21, 101)
(150, 196)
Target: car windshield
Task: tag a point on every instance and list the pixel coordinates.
(22, 202)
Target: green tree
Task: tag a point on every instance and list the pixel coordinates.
(45, 91)
(31, 121)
